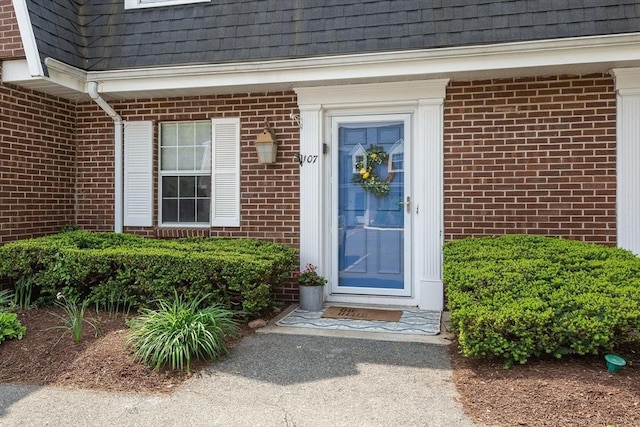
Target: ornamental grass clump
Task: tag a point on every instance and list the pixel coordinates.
(179, 331)
(74, 319)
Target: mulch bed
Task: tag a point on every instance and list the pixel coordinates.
(574, 391)
(47, 356)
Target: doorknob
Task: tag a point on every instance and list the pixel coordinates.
(407, 204)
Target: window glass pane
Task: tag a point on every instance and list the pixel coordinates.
(203, 158)
(169, 134)
(169, 210)
(204, 206)
(186, 159)
(169, 158)
(187, 210)
(187, 186)
(186, 134)
(204, 186)
(203, 132)
(397, 161)
(169, 186)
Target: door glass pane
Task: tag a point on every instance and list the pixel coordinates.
(370, 211)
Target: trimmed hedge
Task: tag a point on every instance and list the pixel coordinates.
(521, 296)
(101, 267)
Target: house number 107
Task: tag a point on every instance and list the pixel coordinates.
(306, 158)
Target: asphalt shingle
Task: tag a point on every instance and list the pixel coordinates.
(101, 35)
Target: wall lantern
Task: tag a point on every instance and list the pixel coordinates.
(266, 145)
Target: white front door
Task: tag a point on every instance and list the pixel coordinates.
(371, 205)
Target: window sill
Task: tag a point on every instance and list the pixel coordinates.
(176, 232)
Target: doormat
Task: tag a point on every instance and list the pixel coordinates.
(362, 314)
(416, 322)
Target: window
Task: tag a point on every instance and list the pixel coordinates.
(139, 4)
(185, 173)
(396, 157)
(198, 177)
(358, 154)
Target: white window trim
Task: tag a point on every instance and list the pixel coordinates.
(143, 4)
(196, 173)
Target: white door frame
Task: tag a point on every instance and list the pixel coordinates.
(423, 100)
(334, 124)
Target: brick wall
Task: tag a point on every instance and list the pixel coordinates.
(269, 193)
(10, 43)
(531, 155)
(37, 164)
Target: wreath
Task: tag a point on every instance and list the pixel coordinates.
(367, 177)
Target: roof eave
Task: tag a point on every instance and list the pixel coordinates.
(571, 55)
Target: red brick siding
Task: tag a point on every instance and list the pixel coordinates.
(10, 42)
(531, 155)
(37, 158)
(269, 193)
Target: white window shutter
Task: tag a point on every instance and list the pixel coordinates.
(225, 172)
(138, 173)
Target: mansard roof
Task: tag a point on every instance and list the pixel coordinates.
(97, 35)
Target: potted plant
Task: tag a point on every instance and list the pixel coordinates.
(311, 286)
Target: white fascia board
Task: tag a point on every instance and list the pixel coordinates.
(28, 38)
(564, 52)
(388, 92)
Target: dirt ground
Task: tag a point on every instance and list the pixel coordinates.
(566, 392)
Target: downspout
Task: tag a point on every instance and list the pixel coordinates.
(92, 88)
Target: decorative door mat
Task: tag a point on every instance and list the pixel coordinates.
(417, 322)
(362, 314)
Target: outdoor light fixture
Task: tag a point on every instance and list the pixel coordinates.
(266, 145)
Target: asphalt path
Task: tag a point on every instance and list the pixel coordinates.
(271, 380)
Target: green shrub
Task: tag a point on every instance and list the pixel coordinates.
(10, 327)
(109, 268)
(522, 296)
(180, 331)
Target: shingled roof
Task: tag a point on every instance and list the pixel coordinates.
(98, 35)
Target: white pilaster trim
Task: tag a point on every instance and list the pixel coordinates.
(429, 227)
(311, 188)
(28, 38)
(628, 157)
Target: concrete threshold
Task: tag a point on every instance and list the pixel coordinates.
(273, 328)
